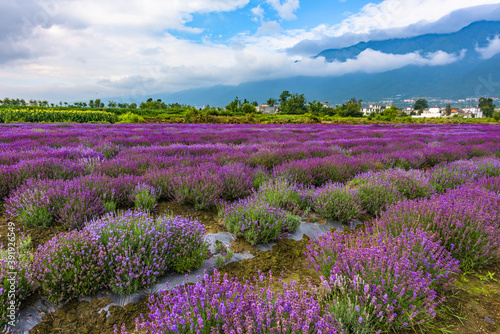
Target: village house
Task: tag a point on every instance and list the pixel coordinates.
(376, 108)
(266, 109)
(433, 112)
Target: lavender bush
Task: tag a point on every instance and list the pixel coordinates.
(165, 179)
(379, 282)
(32, 204)
(224, 255)
(145, 197)
(279, 192)
(75, 205)
(221, 305)
(237, 181)
(335, 201)
(490, 183)
(317, 171)
(466, 220)
(376, 195)
(140, 249)
(69, 202)
(454, 174)
(199, 187)
(70, 265)
(410, 184)
(258, 221)
(16, 281)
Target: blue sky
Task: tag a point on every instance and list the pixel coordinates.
(74, 50)
(222, 26)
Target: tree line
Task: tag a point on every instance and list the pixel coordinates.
(296, 104)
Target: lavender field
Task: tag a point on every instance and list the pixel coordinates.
(95, 207)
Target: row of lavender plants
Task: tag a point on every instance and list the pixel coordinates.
(308, 154)
(387, 277)
(73, 202)
(123, 252)
(261, 216)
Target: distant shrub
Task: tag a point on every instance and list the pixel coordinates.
(130, 118)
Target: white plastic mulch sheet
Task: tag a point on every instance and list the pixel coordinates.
(32, 316)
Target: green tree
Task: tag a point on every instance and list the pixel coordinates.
(421, 104)
(487, 106)
(284, 96)
(350, 109)
(294, 104)
(391, 112)
(248, 108)
(97, 103)
(234, 106)
(315, 108)
(132, 106)
(271, 102)
(496, 116)
(447, 110)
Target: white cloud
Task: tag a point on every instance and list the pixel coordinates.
(401, 13)
(286, 9)
(269, 28)
(397, 19)
(371, 61)
(492, 49)
(258, 12)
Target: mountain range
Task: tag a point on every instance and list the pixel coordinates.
(471, 72)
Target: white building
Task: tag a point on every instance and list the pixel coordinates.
(264, 108)
(434, 112)
(476, 111)
(376, 108)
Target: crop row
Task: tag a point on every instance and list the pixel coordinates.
(55, 115)
(73, 202)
